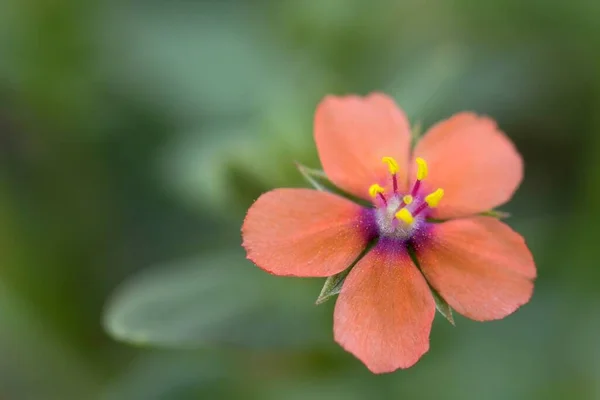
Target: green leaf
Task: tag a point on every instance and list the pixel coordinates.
(332, 286)
(219, 299)
(167, 49)
(212, 165)
(422, 84)
(156, 375)
(442, 306)
(51, 361)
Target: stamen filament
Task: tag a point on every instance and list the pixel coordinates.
(415, 188)
(431, 200)
(422, 172)
(420, 208)
(375, 189)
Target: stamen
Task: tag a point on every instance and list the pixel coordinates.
(422, 172)
(393, 168)
(422, 169)
(407, 199)
(376, 190)
(434, 198)
(405, 216)
(392, 164)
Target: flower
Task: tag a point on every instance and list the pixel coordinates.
(429, 199)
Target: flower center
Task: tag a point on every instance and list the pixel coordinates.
(398, 215)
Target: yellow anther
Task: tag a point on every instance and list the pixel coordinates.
(407, 199)
(422, 170)
(434, 198)
(375, 189)
(392, 164)
(405, 216)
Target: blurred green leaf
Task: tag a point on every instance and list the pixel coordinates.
(205, 166)
(167, 375)
(423, 83)
(9, 21)
(204, 57)
(198, 168)
(340, 384)
(427, 85)
(202, 60)
(213, 300)
(30, 352)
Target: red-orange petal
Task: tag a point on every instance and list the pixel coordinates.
(473, 161)
(384, 312)
(303, 232)
(353, 134)
(479, 265)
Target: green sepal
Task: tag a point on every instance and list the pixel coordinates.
(321, 182)
(442, 306)
(496, 214)
(416, 132)
(332, 286)
(490, 213)
(315, 177)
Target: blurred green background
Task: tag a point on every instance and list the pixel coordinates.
(135, 134)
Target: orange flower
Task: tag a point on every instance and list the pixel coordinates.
(461, 167)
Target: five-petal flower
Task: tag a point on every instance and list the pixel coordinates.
(427, 200)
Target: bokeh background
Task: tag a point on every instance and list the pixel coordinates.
(135, 134)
